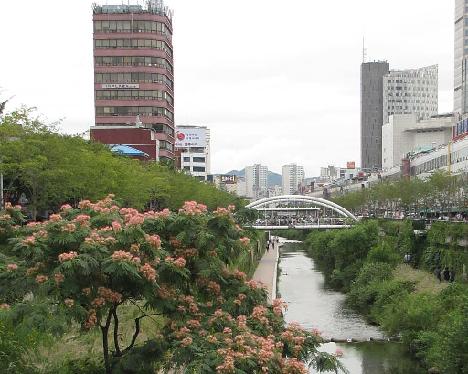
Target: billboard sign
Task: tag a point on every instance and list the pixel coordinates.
(351, 165)
(120, 86)
(190, 137)
(228, 179)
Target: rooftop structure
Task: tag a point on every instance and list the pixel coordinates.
(156, 7)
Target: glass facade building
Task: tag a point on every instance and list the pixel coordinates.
(460, 104)
(134, 69)
(413, 91)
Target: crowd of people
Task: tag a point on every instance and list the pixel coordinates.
(299, 221)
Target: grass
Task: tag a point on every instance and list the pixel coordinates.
(424, 282)
(77, 345)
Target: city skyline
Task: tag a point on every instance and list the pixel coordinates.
(305, 101)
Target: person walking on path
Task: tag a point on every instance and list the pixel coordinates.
(446, 274)
(268, 245)
(438, 274)
(452, 275)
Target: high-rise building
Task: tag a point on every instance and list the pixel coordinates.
(413, 91)
(256, 180)
(193, 150)
(292, 175)
(372, 74)
(134, 74)
(460, 102)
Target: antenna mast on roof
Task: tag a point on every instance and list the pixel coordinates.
(364, 50)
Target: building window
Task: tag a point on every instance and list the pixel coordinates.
(162, 128)
(133, 111)
(199, 168)
(138, 77)
(133, 44)
(186, 159)
(199, 159)
(166, 145)
(133, 61)
(134, 95)
(129, 26)
(187, 168)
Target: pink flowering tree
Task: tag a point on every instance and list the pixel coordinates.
(10, 218)
(95, 258)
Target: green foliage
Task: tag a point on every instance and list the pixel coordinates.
(14, 346)
(384, 253)
(441, 192)
(343, 252)
(52, 168)
(445, 247)
(86, 365)
(433, 325)
(365, 289)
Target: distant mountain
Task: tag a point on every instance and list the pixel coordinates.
(274, 179)
(237, 173)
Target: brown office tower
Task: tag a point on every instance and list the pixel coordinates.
(134, 77)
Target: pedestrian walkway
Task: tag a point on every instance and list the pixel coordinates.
(267, 270)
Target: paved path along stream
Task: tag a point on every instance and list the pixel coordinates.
(266, 271)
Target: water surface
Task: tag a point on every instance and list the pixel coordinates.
(315, 305)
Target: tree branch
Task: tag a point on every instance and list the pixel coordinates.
(135, 334)
(105, 342)
(118, 352)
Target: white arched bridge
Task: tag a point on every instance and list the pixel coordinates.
(300, 212)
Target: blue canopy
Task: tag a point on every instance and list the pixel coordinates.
(126, 150)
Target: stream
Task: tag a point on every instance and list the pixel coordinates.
(316, 306)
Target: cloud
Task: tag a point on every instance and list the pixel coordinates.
(277, 82)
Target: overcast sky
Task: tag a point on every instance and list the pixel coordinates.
(275, 81)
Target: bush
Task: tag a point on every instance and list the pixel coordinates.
(85, 365)
(341, 253)
(410, 314)
(384, 253)
(365, 290)
(13, 348)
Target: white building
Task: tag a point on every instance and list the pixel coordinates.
(452, 157)
(411, 91)
(193, 142)
(256, 180)
(292, 175)
(404, 134)
(241, 187)
(334, 173)
(275, 191)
